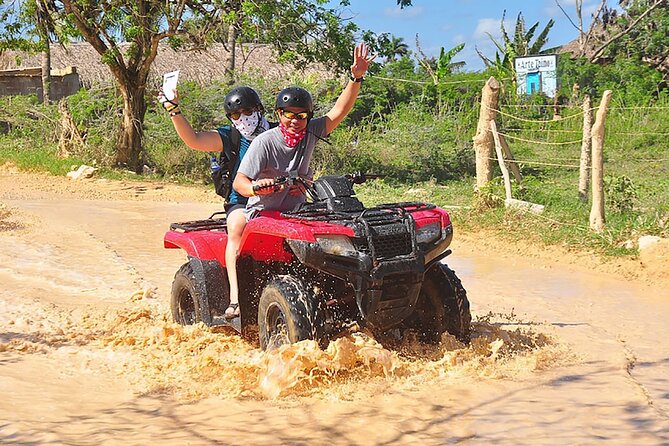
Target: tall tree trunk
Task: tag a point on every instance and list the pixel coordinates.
(43, 30)
(46, 74)
(230, 66)
(129, 144)
(581, 33)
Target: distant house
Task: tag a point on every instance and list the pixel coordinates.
(64, 82)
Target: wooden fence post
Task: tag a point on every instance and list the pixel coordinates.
(483, 140)
(500, 160)
(510, 202)
(597, 210)
(584, 173)
(513, 165)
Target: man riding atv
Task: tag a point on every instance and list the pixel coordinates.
(329, 267)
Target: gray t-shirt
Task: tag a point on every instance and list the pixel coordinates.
(268, 156)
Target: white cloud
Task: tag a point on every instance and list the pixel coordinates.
(487, 26)
(398, 12)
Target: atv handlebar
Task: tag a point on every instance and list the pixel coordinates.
(280, 182)
(293, 178)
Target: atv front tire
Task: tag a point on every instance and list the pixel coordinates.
(287, 313)
(185, 301)
(442, 306)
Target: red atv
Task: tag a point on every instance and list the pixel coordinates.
(332, 266)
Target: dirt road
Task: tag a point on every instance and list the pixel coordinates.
(88, 353)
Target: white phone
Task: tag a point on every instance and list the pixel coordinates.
(170, 84)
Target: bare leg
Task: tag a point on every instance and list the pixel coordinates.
(236, 222)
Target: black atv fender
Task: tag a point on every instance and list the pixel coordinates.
(213, 289)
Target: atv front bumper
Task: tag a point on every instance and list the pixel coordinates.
(387, 290)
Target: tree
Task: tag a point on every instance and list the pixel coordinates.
(585, 38)
(302, 31)
(440, 69)
(643, 29)
(386, 45)
(31, 26)
(396, 48)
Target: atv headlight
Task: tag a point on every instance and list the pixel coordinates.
(428, 233)
(338, 245)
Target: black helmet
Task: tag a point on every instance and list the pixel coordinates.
(295, 97)
(241, 97)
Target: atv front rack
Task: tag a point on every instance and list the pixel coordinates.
(314, 213)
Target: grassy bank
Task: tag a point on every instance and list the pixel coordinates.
(422, 144)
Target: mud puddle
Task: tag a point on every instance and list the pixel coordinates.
(156, 355)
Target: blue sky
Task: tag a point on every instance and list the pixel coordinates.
(447, 23)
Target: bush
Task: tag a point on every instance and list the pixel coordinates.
(97, 114)
(409, 144)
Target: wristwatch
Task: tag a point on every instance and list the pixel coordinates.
(357, 79)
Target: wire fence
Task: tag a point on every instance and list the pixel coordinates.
(548, 147)
(553, 138)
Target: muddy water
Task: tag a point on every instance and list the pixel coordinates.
(89, 355)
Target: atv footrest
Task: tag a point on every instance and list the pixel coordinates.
(221, 321)
(201, 225)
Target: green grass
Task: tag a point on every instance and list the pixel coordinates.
(34, 158)
(426, 156)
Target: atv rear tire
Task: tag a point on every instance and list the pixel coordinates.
(287, 313)
(442, 306)
(185, 301)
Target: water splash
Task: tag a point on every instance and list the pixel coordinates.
(143, 345)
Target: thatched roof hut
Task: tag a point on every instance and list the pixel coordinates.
(199, 66)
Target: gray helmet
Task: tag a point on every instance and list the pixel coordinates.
(295, 97)
(241, 97)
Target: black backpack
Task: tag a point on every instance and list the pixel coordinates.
(224, 173)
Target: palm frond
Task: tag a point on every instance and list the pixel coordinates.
(542, 38)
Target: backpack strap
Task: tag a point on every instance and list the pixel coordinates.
(231, 150)
(224, 176)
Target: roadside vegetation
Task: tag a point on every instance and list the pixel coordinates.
(414, 122)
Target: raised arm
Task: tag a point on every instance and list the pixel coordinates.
(346, 100)
(204, 141)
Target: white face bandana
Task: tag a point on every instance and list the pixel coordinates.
(247, 125)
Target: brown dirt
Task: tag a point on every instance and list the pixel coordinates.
(561, 351)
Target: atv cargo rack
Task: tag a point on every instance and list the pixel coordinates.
(210, 224)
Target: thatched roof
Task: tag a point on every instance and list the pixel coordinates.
(199, 66)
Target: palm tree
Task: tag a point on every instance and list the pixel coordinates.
(391, 47)
(397, 47)
(519, 45)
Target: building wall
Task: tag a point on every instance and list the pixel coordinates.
(29, 81)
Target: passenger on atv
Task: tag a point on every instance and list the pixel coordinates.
(290, 146)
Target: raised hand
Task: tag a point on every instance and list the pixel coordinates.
(169, 105)
(361, 60)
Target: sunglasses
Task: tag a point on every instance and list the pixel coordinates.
(291, 115)
(238, 114)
